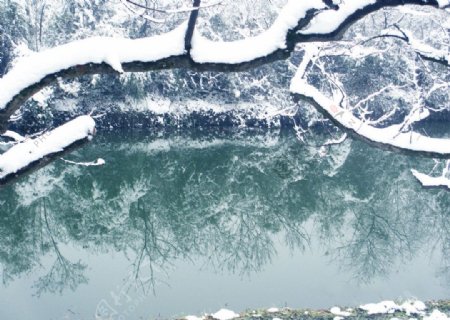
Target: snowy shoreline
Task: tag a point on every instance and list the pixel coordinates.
(409, 309)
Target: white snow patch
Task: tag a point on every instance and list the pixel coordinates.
(193, 318)
(98, 162)
(338, 312)
(273, 310)
(274, 38)
(443, 3)
(409, 307)
(13, 135)
(67, 104)
(413, 307)
(43, 96)
(428, 181)
(114, 61)
(436, 315)
(72, 88)
(329, 20)
(224, 314)
(381, 307)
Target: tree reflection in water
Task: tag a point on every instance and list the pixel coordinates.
(220, 200)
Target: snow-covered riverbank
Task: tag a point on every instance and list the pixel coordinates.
(411, 309)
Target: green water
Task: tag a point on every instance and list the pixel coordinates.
(189, 223)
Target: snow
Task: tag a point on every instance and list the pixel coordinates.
(338, 312)
(273, 310)
(381, 307)
(413, 307)
(193, 318)
(419, 115)
(428, 181)
(409, 307)
(336, 141)
(427, 50)
(443, 3)
(113, 51)
(263, 110)
(98, 162)
(224, 314)
(43, 96)
(208, 51)
(330, 20)
(13, 135)
(30, 150)
(117, 51)
(436, 315)
(419, 46)
(389, 136)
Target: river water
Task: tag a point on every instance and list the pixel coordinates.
(186, 223)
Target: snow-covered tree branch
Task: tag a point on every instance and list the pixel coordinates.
(298, 24)
(434, 181)
(337, 108)
(31, 154)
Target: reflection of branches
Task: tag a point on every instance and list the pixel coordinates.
(229, 211)
(155, 249)
(441, 228)
(240, 244)
(379, 239)
(63, 272)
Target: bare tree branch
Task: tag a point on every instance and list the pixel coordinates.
(191, 26)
